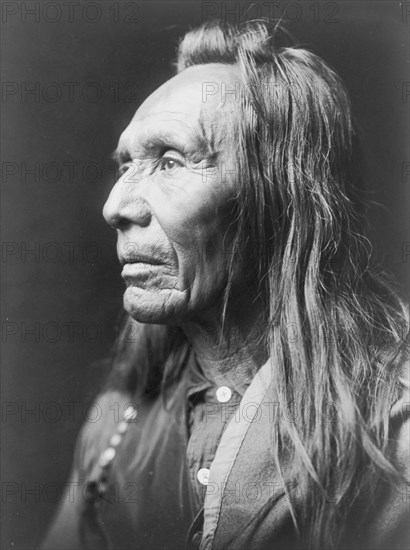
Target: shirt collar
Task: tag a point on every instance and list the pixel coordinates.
(237, 381)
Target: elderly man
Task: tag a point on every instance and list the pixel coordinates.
(260, 370)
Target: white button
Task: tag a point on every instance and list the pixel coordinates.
(130, 414)
(223, 394)
(122, 427)
(107, 457)
(203, 476)
(115, 440)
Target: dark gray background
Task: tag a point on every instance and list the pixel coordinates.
(367, 44)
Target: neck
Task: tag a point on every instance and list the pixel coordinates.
(234, 351)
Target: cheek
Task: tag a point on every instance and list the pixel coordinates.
(195, 216)
(193, 210)
(196, 244)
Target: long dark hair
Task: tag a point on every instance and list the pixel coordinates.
(336, 330)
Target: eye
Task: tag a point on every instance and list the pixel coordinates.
(170, 163)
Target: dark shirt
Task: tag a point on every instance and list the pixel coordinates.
(156, 472)
(210, 408)
(152, 498)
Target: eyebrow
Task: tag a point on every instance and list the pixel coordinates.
(199, 144)
(120, 156)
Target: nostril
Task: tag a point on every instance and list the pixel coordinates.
(144, 218)
(121, 223)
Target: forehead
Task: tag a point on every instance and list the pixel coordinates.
(186, 106)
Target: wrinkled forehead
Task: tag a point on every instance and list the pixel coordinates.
(196, 105)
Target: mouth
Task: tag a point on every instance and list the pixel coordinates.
(139, 266)
(139, 271)
(140, 259)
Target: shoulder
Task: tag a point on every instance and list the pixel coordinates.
(103, 419)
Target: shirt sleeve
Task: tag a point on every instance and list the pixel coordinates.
(77, 517)
(63, 533)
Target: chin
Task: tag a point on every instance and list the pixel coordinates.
(160, 307)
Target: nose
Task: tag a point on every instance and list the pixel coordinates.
(126, 205)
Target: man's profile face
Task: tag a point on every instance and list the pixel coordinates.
(172, 205)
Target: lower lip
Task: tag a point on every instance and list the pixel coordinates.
(138, 268)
